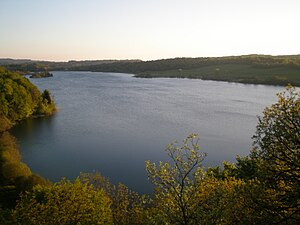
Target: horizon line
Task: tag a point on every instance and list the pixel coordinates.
(143, 60)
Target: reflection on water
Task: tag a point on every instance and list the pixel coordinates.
(112, 123)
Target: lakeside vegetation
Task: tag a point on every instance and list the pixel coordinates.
(32, 66)
(261, 188)
(233, 73)
(253, 69)
(41, 74)
(19, 100)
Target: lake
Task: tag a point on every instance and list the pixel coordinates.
(112, 123)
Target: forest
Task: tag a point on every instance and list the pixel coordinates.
(19, 100)
(253, 69)
(261, 188)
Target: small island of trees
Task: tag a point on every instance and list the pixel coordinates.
(43, 74)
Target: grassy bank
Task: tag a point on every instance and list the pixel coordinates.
(233, 73)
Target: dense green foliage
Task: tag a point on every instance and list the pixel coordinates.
(15, 176)
(274, 162)
(5, 124)
(64, 203)
(187, 194)
(277, 151)
(11, 167)
(128, 207)
(20, 99)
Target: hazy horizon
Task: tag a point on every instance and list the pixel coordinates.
(147, 30)
(136, 59)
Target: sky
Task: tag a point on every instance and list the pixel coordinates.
(62, 30)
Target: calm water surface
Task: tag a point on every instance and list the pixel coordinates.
(112, 123)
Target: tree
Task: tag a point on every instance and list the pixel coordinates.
(5, 124)
(11, 166)
(277, 152)
(128, 207)
(177, 182)
(47, 96)
(20, 99)
(64, 203)
(186, 194)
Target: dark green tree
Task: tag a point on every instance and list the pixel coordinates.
(277, 153)
(47, 96)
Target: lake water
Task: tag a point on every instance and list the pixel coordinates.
(112, 123)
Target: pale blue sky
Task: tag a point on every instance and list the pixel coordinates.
(62, 30)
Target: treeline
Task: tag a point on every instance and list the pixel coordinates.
(29, 67)
(19, 100)
(15, 176)
(139, 66)
(261, 188)
(254, 69)
(263, 61)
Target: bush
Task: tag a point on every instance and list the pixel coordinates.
(64, 203)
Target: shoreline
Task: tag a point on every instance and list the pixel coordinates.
(211, 79)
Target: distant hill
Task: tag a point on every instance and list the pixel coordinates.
(30, 66)
(7, 61)
(254, 69)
